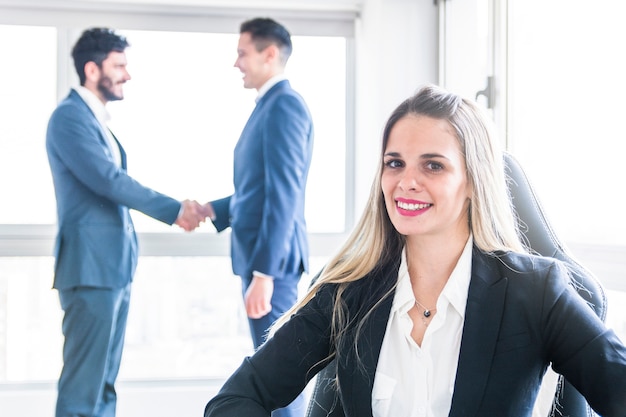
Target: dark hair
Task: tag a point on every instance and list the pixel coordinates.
(265, 31)
(94, 45)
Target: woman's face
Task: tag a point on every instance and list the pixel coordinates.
(424, 179)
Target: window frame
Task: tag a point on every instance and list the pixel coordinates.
(70, 20)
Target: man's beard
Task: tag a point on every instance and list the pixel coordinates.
(105, 86)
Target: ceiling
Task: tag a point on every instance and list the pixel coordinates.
(331, 5)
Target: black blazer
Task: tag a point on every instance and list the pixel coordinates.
(522, 315)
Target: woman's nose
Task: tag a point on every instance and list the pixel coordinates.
(410, 180)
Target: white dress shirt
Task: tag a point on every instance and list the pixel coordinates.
(418, 381)
(269, 84)
(103, 117)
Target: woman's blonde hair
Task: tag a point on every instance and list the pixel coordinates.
(374, 242)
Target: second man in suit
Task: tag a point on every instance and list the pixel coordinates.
(269, 247)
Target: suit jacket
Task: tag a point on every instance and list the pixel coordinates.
(522, 315)
(271, 164)
(96, 243)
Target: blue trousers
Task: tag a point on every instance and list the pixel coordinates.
(284, 297)
(94, 325)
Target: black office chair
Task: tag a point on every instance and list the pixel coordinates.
(542, 239)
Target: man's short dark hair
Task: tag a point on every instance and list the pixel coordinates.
(95, 44)
(266, 31)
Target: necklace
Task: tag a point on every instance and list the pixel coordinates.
(427, 311)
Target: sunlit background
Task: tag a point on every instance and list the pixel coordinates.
(559, 109)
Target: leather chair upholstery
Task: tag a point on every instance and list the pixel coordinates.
(541, 238)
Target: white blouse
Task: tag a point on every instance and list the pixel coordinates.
(418, 381)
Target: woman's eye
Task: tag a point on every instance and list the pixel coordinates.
(434, 166)
(393, 163)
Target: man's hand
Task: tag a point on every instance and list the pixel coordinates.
(192, 215)
(258, 297)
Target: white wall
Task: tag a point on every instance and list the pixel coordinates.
(396, 53)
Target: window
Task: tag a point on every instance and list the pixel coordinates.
(185, 107)
(566, 109)
(25, 105)
(182, 114)
(565, 112)
(558, 88)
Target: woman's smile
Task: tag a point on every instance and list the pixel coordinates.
(408, 207)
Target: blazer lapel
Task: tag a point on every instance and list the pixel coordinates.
(483, 315)
(359, 373)
(103, 133)
(122, 152)
(257, 111)
(370, 344)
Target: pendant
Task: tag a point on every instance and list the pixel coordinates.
(426, 313)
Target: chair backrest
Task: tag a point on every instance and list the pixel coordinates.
(541, 238)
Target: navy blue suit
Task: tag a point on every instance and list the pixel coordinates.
(266, 211)
(95, 254)
(522, 315)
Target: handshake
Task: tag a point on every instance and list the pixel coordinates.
(194, 213)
